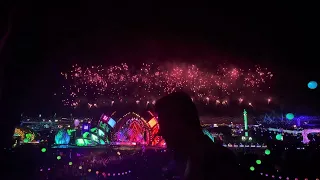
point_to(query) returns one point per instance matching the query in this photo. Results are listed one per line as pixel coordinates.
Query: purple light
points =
(48, 169)
(305, 133)
(41, 169)
(85, 127)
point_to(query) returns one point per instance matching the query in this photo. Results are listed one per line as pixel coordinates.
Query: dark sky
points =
(47, 40)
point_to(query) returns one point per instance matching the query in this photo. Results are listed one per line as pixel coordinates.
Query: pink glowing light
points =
(98, 85)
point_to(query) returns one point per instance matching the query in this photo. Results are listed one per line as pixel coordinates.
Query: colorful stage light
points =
(104, 117)
(112, 122)
(152, 122)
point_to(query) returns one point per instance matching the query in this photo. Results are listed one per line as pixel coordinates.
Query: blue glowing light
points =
(112, 122)
(312, 85)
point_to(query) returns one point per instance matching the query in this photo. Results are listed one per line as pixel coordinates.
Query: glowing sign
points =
(152, 122)
(112, 122)
(85, 127)
(105, 118)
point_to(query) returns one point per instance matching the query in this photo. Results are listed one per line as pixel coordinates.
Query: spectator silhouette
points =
(180, 127)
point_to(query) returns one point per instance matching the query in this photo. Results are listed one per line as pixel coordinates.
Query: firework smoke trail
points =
(98, 85)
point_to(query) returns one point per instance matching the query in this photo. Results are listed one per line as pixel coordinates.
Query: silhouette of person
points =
(180, 127)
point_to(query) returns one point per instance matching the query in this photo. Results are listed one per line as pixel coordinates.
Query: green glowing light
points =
(58, 157)
(245, 119)
(289, 116)
(267, 151)
(43, 150)
(251, 168)
(258, 161)
(279, 137)
(70, 163)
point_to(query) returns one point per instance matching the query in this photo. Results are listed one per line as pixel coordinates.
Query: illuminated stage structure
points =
(23, 135)
(132, 129)
(83, 135)
(97, 136)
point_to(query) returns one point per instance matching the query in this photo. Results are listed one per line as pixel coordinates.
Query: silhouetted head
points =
(178, 119)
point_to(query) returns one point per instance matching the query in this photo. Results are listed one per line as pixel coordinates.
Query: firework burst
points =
(97, 85)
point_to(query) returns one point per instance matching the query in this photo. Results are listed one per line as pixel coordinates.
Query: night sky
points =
(45, 41)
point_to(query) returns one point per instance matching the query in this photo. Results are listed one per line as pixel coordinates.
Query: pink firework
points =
(98, 85)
